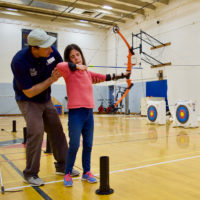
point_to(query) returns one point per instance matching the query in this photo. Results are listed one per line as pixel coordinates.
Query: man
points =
(33, 70)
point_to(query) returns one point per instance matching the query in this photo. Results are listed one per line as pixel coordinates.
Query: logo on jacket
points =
(33, 72)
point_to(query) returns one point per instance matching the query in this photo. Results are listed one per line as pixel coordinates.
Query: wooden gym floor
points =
(147, 162)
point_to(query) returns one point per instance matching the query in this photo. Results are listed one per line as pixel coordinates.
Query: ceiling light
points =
(104, 11)
(107, 7)
(11, 9)
(11, 13)
(77, 11)
(83, 20)
(82, 24)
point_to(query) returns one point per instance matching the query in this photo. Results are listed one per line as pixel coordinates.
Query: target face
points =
(152, 113)
(182, 114)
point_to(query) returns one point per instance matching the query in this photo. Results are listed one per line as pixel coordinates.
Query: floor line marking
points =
(155, 164)
(46, 183)
(37, 189)
(116, 171)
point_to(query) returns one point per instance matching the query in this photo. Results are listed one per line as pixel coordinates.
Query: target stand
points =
(185, 114)
(156, 112)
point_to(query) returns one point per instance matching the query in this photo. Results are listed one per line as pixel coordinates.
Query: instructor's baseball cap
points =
(40, 38)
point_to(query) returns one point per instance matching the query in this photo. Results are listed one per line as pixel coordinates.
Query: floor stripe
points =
(155, 164)
(45, 155)
(12, 165)
(46, 183)
(116, 171)
(6, 143)
(37, 189)
(42, 193)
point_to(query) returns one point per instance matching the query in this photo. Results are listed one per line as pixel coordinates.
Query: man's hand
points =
(55, 75)
(40, 87)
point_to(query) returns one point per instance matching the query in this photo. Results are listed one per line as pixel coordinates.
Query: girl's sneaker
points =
(89, 177)
(68, 180)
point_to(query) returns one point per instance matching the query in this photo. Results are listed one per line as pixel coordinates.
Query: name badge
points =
(50, 60)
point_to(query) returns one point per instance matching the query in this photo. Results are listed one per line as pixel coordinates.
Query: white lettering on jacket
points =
(33, 72)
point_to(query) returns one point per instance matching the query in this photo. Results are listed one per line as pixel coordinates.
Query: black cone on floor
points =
(104, 188)
(25, 135)
(14, 126)
(48, 146)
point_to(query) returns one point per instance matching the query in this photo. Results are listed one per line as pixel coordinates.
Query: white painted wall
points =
(88, 38)
(180, 25)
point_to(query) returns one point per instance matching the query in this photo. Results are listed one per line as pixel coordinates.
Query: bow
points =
(129, 65)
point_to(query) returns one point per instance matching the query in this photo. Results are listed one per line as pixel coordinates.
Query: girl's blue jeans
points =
(80, 121)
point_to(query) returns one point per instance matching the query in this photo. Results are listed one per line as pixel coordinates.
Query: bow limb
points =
(129, 64)
(125, 93)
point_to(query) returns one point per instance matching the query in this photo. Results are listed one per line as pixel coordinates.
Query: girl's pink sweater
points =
(79, 86)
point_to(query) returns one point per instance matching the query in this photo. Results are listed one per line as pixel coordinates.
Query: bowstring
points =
(100, 47)
(94, 54)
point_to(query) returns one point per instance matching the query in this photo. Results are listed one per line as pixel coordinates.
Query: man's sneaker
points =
(68, 180)
(89, 177)
(62, 172)
(33, 180)
(75, 173)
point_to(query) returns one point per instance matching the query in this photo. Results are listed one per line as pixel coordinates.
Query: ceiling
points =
(83, 11)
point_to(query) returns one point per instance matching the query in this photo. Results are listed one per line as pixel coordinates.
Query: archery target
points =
(182, 114)
(152, 113)
(185, 114)
(156, 112)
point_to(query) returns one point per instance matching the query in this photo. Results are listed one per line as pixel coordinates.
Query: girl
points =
(80, 104)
